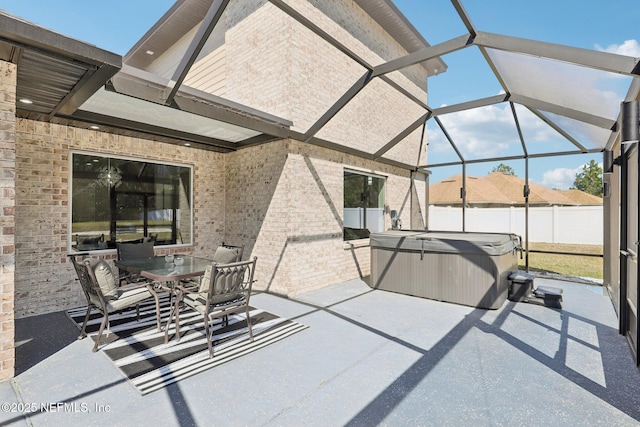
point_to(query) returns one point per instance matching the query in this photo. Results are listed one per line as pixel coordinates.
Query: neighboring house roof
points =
(513, 187)
(501, 189)
(581, 198)
(447, 192)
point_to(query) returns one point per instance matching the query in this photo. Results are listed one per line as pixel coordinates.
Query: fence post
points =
(554, 222)
(512, 215)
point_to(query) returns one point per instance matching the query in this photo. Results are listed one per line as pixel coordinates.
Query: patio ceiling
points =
(564, 88)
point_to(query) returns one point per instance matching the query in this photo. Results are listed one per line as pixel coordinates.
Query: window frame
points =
(363, 241)
(190, 167)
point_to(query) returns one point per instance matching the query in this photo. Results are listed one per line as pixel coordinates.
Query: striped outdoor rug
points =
(138, 349)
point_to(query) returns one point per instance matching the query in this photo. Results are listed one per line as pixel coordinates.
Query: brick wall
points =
(277, 65)
(7, 216)
(44, 279)
(285, 202)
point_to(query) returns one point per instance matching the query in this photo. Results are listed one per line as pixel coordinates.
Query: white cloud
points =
(488, 132)
(628, 48)
(480, 132)
(561, 178)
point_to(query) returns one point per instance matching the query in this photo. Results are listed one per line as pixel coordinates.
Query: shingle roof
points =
(501, 189)
(582, 198)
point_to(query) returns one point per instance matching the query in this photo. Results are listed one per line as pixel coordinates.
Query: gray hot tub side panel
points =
(471, 272)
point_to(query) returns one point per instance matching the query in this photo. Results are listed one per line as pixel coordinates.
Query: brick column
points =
(8, 74)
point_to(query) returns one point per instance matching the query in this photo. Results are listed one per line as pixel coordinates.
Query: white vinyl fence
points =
(553, 224)
(354, 218)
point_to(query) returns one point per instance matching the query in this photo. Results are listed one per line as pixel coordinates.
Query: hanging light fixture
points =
(109, 176)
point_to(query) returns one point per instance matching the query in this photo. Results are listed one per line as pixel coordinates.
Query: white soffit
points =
(128, 108)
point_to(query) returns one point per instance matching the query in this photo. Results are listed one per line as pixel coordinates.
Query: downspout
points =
(526, 212)
(624, 310)
(411, 204)
(463, 195)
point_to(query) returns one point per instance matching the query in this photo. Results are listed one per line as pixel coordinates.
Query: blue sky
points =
(592, 24)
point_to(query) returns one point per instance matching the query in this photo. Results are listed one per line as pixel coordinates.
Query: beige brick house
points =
(267, 106)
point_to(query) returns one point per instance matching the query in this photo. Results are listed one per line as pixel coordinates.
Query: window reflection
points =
(363, 205)
(127, 200)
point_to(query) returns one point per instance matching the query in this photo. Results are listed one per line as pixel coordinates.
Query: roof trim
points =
(27, 34)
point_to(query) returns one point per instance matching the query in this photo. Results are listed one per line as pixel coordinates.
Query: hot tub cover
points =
(492, 244)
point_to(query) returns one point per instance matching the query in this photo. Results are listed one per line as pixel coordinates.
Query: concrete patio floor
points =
(368, 358)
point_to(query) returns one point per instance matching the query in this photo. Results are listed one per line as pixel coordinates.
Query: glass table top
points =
(157, 268)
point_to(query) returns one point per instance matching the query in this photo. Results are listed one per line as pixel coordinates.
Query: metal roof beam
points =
(84, 89)
(147, 86)
(517, 122)
(557, 128)
(581, 116)
(402, 135)
(492, 100)
(404, 91)
(319, 32)
(446, 134)
(349, 150)
(605, 61)
(205, 109)
(422, 55)
(506, 158)
(494, 69)
(338, 105)
(464, 16)
(195, 47)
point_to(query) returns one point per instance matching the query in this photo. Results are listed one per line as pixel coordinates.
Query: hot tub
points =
(463, 268)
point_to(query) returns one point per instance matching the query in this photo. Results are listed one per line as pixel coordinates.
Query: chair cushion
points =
(224, 255)
(128, 297)
(105, 278)
(197, 301)
(204, 281)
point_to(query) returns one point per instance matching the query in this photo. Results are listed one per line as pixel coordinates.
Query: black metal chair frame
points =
(96, 299)
(229, 291)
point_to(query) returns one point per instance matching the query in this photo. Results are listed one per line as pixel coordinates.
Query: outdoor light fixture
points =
(94, 127)
(630, 122)
(26, 101)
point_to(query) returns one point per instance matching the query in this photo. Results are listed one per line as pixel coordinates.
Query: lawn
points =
(571, 265)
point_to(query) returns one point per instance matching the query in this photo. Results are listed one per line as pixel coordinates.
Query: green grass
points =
(570, 265)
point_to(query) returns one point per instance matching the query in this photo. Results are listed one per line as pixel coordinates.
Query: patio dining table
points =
(167, 277)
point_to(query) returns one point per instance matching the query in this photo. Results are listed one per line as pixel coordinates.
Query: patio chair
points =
(225, 289)
(224, 254)
(102, 293)
(133, 251)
